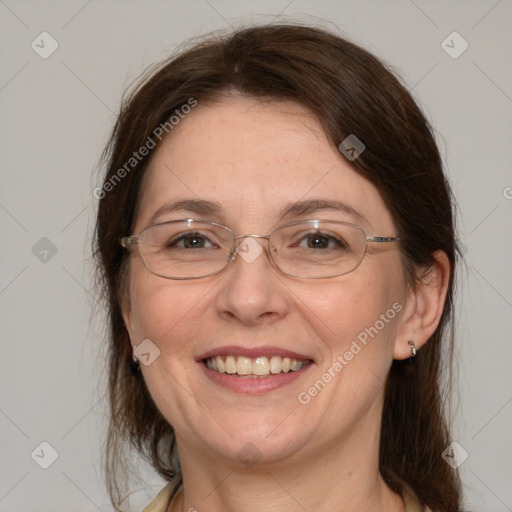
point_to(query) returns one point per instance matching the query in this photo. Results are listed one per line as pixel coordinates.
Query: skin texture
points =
(253, 158)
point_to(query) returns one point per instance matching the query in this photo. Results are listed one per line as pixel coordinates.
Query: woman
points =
(276, 242)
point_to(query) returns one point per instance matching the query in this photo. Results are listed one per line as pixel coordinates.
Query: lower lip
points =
(253, 385)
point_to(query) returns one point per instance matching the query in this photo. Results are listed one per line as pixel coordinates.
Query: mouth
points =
(258, 367)
(254, 370)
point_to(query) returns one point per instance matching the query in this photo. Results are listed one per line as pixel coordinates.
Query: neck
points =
(342, 477)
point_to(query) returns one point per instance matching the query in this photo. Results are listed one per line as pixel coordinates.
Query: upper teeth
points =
(257, 366)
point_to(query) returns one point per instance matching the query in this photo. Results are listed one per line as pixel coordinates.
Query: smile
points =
(253, 370)
(261, 366)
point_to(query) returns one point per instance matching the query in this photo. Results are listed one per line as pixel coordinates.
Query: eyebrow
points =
(309, 206)
(198, 206)
(206, 208)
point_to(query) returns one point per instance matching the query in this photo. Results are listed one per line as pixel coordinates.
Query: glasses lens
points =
(317, 249)
(185, 249)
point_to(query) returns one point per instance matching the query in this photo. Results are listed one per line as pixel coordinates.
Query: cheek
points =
(170, 315)
(359, 313)
(161, 309)
(357, 317)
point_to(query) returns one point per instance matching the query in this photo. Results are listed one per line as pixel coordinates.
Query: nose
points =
(252, 292)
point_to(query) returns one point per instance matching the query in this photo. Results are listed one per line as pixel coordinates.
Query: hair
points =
(349, 91)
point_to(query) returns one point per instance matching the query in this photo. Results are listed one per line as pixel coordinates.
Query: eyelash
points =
(184, 236)
(302, 238)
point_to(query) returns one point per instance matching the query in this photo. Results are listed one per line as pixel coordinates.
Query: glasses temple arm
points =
(384, 239)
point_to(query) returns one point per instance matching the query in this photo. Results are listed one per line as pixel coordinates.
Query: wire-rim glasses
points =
(194, 249)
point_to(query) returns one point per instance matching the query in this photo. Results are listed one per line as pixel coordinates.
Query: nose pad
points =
(235, 249)
(272, 249)
(232, 253)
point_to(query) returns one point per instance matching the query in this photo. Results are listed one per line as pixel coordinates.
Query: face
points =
(253, 160)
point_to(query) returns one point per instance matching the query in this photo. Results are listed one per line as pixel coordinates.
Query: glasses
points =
(311, 249)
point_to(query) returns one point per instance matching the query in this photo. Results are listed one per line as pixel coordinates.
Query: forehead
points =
(253, 159)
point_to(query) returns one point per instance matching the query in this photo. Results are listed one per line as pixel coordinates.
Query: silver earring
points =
(413, 349)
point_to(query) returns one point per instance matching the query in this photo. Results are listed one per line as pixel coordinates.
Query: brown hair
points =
(350, 92)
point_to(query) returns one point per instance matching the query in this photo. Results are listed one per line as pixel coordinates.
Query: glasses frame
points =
(135, 240)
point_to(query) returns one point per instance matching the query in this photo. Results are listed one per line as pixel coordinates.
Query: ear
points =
(125, 303)
(127, 316)
(424, 307)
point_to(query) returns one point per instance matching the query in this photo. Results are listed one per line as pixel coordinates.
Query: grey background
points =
(56, 115)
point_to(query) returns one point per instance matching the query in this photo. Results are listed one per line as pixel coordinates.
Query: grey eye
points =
(321, 241)
(191, 241)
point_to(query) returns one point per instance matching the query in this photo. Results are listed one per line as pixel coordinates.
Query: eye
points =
(191, 241)
(319, 240)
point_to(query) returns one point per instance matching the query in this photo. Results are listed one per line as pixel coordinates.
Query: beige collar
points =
(162, 500)
(412, 503)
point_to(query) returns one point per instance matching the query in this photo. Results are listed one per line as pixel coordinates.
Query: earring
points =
(134, 365)
(413, 349)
